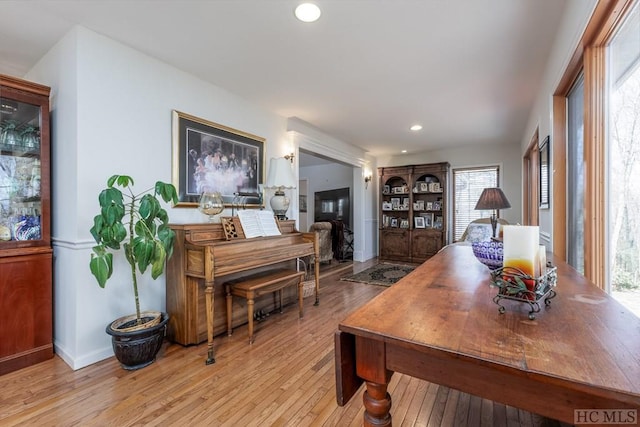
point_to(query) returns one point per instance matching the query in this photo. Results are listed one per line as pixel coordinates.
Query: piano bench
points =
(255, 285)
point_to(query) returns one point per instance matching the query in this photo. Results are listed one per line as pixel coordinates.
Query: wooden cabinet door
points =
(393, 244)
(26, 318)
(425, 244)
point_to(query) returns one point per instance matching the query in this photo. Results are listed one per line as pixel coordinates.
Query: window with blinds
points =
(468, 184)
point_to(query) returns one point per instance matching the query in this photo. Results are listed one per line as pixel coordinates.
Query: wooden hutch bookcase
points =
(26, 305)
(413, 211)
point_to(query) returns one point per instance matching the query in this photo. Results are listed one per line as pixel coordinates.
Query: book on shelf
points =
(256, 223)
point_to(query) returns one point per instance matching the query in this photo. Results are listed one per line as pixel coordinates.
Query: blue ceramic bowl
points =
(488, 253)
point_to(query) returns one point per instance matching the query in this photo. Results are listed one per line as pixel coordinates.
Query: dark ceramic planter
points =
(137, 349)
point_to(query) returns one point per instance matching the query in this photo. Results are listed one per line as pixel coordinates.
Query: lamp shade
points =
(280, 174)
(492, 199)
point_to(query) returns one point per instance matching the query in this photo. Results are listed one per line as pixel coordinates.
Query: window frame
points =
(589, 57)
(453, 192)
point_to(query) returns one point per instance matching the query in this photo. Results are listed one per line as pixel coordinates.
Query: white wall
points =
(111, 113)
(574, 21)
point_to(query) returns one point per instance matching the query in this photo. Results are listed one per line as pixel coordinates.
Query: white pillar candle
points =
(521, 247)
(542, 260)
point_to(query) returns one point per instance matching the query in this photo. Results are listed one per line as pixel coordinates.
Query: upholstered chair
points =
(324, 236)
(480, 229)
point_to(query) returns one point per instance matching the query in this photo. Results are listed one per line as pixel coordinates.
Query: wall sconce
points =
(367, 179)
(290, 157)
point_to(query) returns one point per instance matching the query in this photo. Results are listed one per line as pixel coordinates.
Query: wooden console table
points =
(440, 324)
(202, 255)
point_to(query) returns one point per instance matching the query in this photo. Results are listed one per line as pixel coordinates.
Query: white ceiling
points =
(466, 70)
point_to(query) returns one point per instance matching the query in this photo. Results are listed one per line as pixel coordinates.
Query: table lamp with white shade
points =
(280, 177)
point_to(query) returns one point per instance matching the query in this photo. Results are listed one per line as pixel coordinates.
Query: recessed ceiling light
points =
(307, 12)
(416, 128)
(403, 151)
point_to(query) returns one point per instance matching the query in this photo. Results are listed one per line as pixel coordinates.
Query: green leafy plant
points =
(138, 223)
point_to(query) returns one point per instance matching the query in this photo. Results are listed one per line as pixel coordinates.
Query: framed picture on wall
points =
(303, 202)
(207, 156)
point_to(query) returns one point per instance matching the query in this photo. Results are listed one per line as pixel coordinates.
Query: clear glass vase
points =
(211, 204)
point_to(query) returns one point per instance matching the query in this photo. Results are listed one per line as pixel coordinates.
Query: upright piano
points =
(203, 257)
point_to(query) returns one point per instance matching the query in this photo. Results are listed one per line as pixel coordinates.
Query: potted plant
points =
(138, 223)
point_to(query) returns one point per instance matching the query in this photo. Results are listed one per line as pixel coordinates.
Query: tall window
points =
(468, 185)
(575, 175)
(589, 194)
(623, 148)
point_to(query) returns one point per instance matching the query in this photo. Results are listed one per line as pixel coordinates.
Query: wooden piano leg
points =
(208, 293)
(229, 309)
(316, 272)
(300, 300)
(250, 305)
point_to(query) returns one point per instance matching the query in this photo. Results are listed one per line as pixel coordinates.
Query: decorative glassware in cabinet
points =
(30, 139)
(20, 172)
(10, 136)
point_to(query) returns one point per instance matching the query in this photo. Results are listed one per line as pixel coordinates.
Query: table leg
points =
(377, 403)
(371, 367)
(208, 293)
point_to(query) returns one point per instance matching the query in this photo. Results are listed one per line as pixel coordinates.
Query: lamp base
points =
(494, 224)
(280, 204)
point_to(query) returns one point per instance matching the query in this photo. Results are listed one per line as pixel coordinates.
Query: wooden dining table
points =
(579, 359)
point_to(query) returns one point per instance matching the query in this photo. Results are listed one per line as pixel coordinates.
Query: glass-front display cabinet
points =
(25, 243)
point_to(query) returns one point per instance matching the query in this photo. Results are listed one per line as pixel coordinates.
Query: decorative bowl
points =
(489, 253)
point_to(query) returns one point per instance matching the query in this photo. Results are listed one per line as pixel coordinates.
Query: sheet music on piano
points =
(256, 223)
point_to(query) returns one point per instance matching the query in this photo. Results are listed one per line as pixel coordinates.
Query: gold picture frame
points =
(207, 156)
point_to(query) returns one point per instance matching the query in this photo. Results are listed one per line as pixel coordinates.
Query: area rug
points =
(380, 274)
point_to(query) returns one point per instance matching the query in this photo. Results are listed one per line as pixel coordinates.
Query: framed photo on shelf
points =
(387, 206)
(207, 156)
(437, 223)
(404, 223)
(424, 186)
(394, 222)
(428, 220)
(405, 203)
(429, 206)
(418, 206)
(419, 222)
(386, 189)
(395, 203)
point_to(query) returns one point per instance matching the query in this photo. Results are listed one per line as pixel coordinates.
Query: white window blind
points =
(468, 185)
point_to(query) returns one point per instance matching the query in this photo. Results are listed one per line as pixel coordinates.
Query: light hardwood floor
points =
(286, 378)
